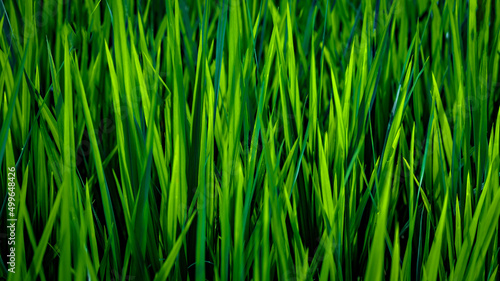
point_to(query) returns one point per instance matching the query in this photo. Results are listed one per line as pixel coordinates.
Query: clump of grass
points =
(252, 140)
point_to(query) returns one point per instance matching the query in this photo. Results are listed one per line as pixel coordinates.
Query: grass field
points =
(250, 140)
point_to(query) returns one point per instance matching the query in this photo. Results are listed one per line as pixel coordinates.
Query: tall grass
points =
(251, 140)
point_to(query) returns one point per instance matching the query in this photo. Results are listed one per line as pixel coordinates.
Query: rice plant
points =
(249, 140)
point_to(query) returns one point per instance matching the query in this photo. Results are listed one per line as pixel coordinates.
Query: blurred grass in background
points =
(264, 140)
